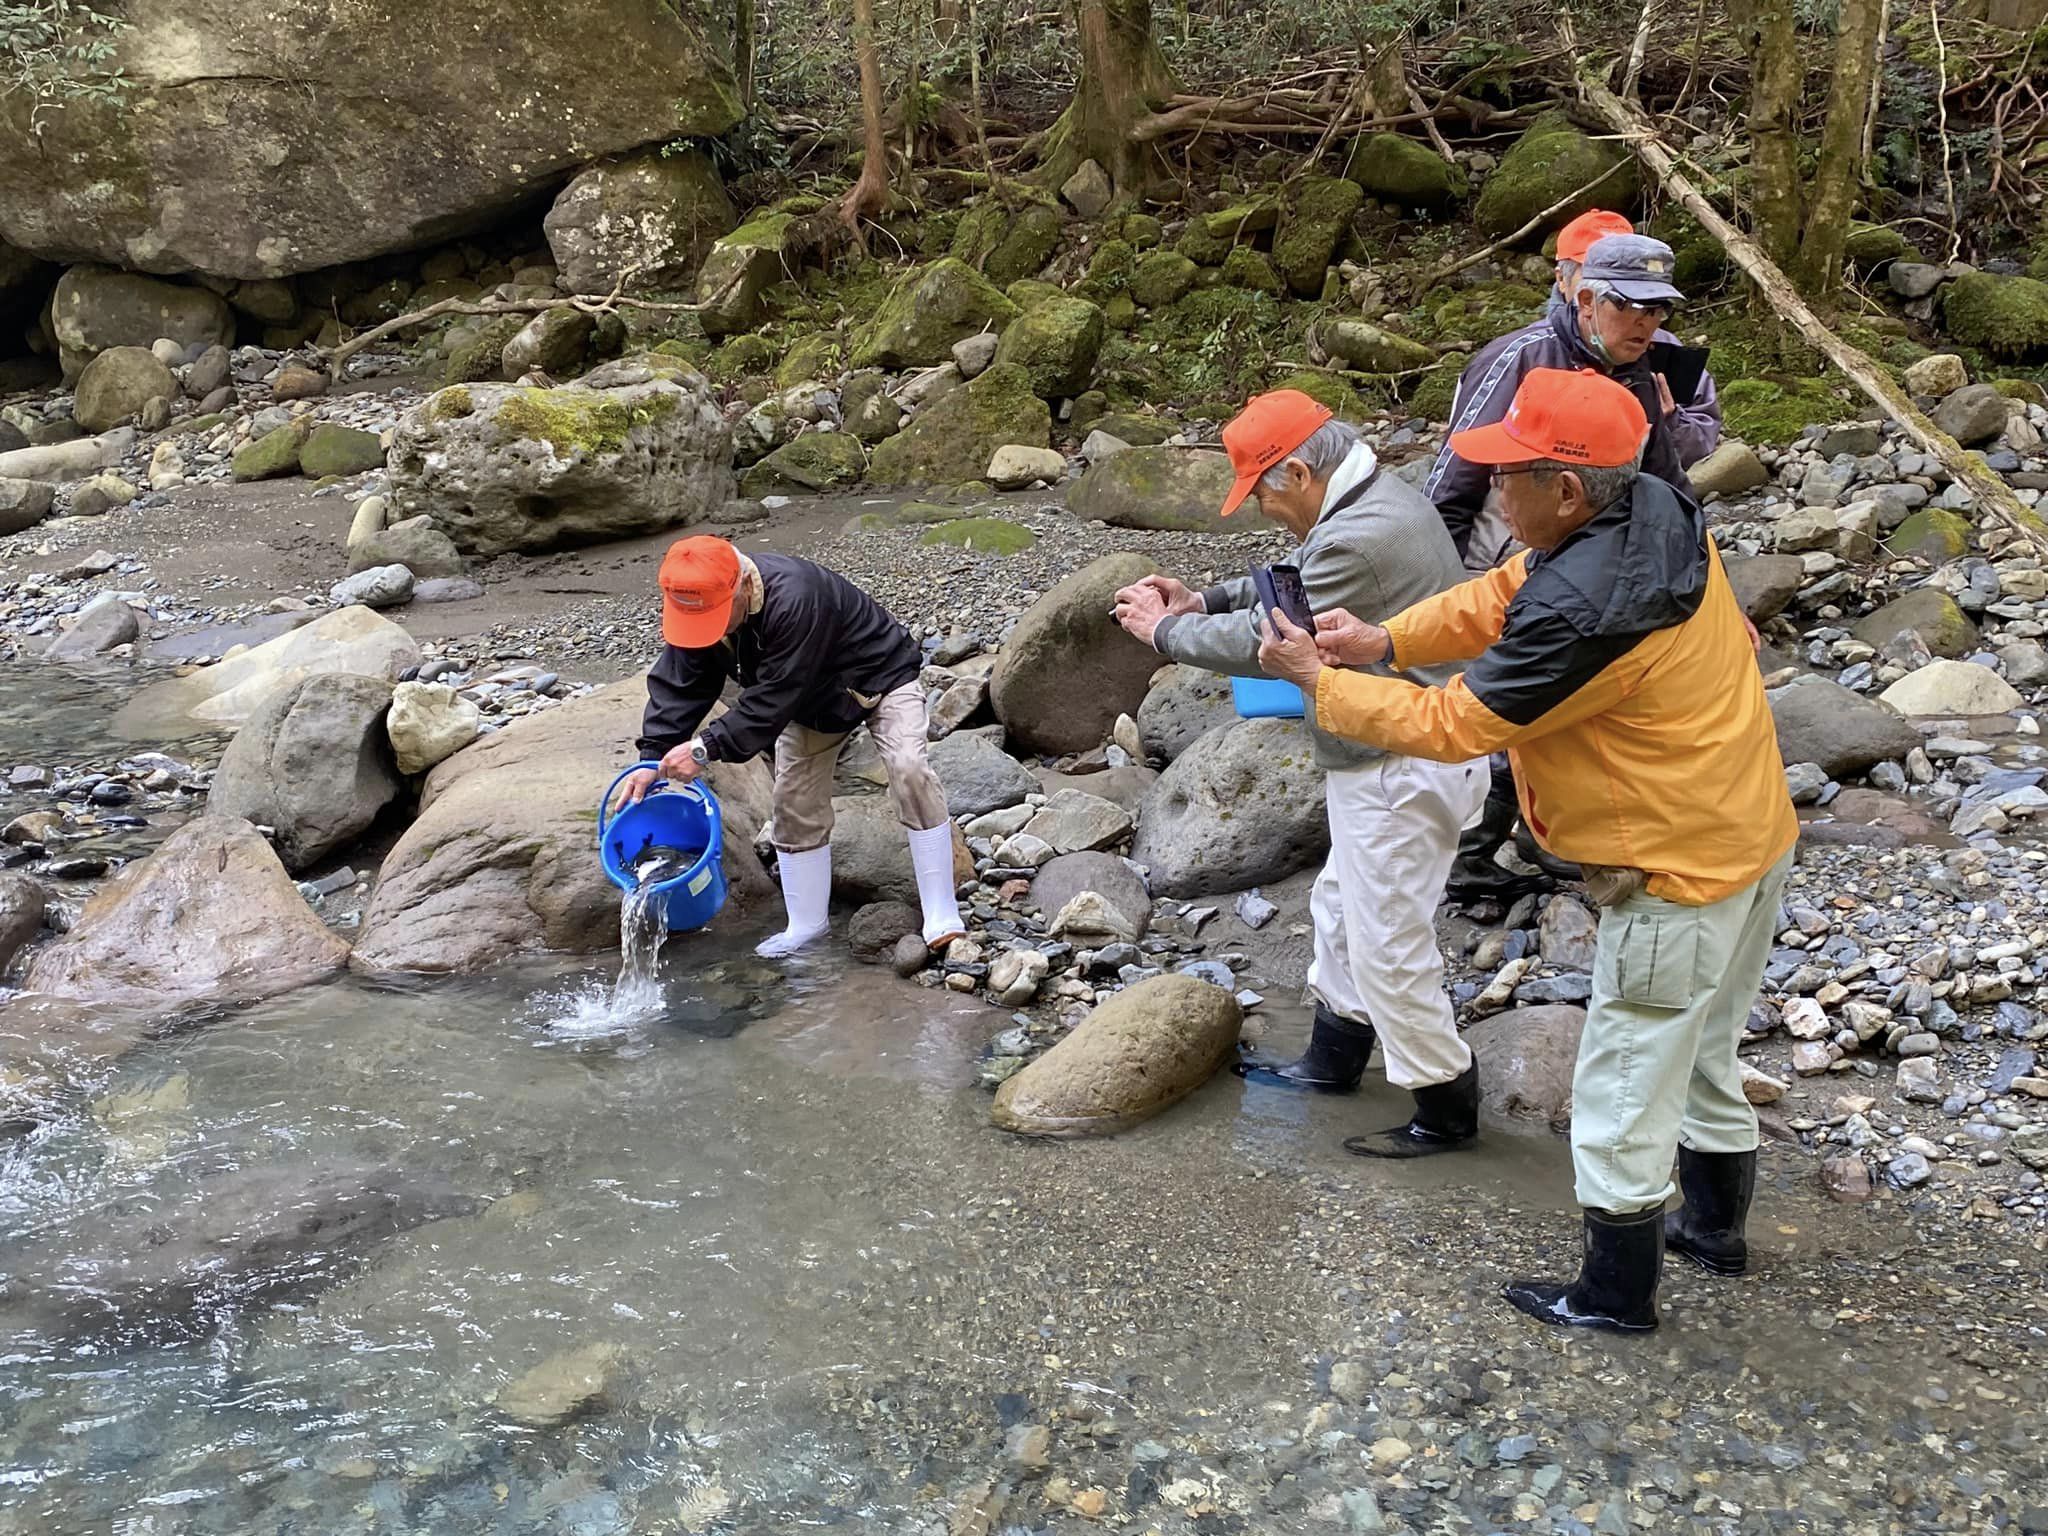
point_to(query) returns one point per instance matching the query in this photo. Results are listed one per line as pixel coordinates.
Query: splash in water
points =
(594, 1010)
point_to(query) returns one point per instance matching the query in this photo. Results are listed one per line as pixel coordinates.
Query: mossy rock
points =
(741, 356)
(1090, 406)
(1027, 291)
(1027, 245)
(1928, 612)
(1936, 534)
(982, 535)
(1140, 231)
(1121, 311)
(1872, 245)
(571, 421)
(1700, 263)
(1404, 171)
(739, 270)
(1327, 389)
(334, 450)
(1431, 394)
(1759, 411)
(1056, 343)
(1210, 237)
(1109, 271)
(1548, 163)
(1373, 349)
(815, 463)
(1249, 269)
(2025, 390)
(812, 359)
(1139, 431)
(952, 439)
(1161, 278)
(273, 454)
(481, 355)
(1477, 314)
(2004, 316)
(1215, 342)
(1318, 211)
(926, 312)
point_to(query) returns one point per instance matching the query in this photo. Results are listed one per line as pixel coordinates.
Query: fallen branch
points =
(1993, 495)
(1452, 269)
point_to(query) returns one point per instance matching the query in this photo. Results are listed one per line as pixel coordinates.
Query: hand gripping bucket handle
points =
(684, 816)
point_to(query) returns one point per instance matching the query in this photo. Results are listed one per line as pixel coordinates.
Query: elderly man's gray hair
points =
(1603, 486)
(1568, 275)
(1328, 446)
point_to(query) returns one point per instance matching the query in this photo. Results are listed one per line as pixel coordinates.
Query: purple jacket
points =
(1487, 388)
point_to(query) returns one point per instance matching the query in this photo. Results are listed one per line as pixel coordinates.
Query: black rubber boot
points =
(1616, 1291)
(1338, 1050)
(1535, 853)
(1446, 1118)
(1474, 874)
(1709, 1230)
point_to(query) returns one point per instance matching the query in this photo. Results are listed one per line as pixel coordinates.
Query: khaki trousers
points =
(805, 759)
(1394, 828)
(1672, 989)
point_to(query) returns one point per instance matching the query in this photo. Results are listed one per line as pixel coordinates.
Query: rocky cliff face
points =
(259, 141)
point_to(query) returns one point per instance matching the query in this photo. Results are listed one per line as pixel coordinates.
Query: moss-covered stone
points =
(1215, 342)
(1027, 245)
(739, 269)
(1326, 389)
(1137, 430)
(1319, 209)
(332, 449)
(273, 454)
(1121, 311)
(1372, 348)
(1871, 245)
(1404, 171)
(1056, 343)
(1928, 612)
(982, 535)
(1430, 394)
(1476, 314)
(811, 359)
(590, 422)
(1759, 411)
(1027, 291)
(743, 355)
(1549, 163)
(815, 463)
(481, 354)
(2021, 389)
(1161, 278)
(1140, 231)
(2005, 316)
(1090, 406)
(953, 437)
(1109, 271)
(926, 312)
(1249, 269)
(1936, 534)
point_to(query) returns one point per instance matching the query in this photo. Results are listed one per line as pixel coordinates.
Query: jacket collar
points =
(1359, 466)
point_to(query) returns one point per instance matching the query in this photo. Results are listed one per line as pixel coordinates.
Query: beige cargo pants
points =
(1672, 989)
(805, 760)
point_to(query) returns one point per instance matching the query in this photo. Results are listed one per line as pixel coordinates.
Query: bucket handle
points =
(710, 800)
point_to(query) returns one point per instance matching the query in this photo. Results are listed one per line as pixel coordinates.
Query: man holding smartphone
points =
(1370, 544)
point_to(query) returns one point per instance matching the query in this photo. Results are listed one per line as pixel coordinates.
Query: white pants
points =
(1393, 832)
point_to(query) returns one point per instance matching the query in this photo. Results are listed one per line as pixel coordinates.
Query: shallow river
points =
(776, 1273)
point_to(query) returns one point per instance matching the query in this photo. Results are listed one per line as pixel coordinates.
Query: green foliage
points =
(58, 51)
(1215, 343)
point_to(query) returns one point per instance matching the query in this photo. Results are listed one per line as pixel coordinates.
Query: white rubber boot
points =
(806, 897)
(931, 855)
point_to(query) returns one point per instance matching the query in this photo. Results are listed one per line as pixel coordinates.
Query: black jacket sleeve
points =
(793, 653)
(682, 686)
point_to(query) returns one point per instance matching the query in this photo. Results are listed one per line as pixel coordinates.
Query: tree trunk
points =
(1123, 78)
(744, 43)
(1764, 28)
(870, 194)
(1840, 175)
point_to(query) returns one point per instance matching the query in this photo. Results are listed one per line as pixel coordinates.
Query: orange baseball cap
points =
(1579, 236)
(1580, 417)
(698, 580)
(1269, 428)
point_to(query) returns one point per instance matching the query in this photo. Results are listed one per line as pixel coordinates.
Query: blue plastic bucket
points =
(684, 817)
(1266, 698)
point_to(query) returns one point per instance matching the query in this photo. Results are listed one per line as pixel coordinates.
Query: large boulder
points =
(501, 859)
(739, 268)
(1312, 224)
(387, 116)
(97, 308)
(1143, 1050)
(503, 467)
(1242, 807)
(977, 775)
(117, 384)
(211, 915)
(1372, 348)
(814, 464)
(1056, 341)
(1823, 722)
(1973, 415)
(313, 763)
(1526, 1060)
(653, 214)
(229, 692)
(1926, 612)
(102, 624)
(1184, 705)
(1003, 246)
(1952, 688)
(1404, 171)
(951, 440)
(1764, 584)
(1061, 879)
(871, 852)
(926, 312)
(555, 341)
(1547, 165)
(1067, 670)
(24, 503)
(415, 544)
(1158, 488)
(1729, 470)
(2005, 315)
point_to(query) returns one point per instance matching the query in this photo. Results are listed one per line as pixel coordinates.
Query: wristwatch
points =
(698, 754)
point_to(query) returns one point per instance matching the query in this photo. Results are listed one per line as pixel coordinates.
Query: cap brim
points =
(694, 629)
(1492, 445)
(1646, 292)
(1239, 489)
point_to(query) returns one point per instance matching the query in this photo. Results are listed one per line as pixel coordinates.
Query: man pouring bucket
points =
(814, 657)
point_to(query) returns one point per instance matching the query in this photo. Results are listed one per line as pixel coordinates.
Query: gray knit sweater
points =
(1384, 552)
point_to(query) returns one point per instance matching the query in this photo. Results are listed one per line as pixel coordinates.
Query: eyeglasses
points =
(1498, 478)
(1657, 308)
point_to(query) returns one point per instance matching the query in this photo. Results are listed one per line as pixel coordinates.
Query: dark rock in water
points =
(877, 928)
(164, 1265)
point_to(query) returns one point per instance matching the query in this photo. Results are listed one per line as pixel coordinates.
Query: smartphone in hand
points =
(1280, 590)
